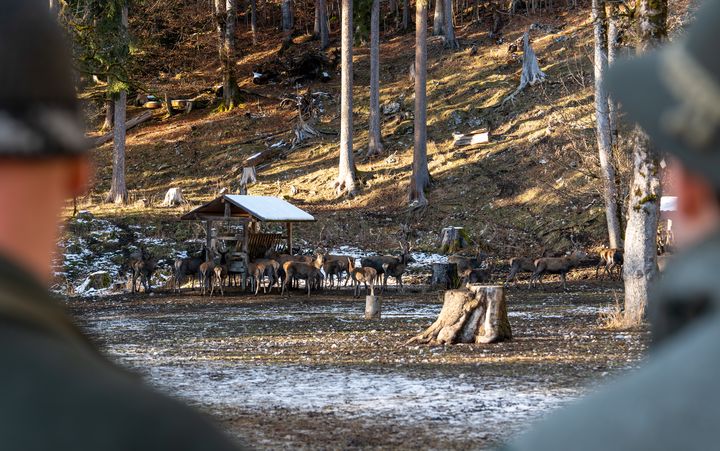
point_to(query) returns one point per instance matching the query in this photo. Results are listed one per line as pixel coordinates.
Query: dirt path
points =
(298, 373)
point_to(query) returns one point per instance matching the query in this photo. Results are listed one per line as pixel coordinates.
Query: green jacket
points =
(58, 393)
(673, 402)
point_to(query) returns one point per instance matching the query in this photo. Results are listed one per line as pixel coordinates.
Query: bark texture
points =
(640, 265)
(406, 15)
(420, 179)
(288, 20)
(345, 182)
(118, 190)
(439, 18)
(444, 275)
(613, 38)
(375, 146)
(602, 125)
(477, 314)
(226, 21)
(450, 41)
(253, 20)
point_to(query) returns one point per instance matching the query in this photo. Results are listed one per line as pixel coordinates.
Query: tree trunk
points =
(118, 190)
(316, 25)
(324, 26)
(253, 20)
(444, 275)
(406, 15)
(531, 73)
(451, 41)
(613, 36)
(219, 13)
(602, 122)
(109, 114)
(373, 306)
(345, 182)
(474, 315)
(640, 266)
(288, 21)
(230, 87)
(439, 18)
(420, 179)
(375, 146)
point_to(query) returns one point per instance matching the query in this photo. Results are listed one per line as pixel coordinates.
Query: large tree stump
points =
(452, 239)
(173, 197)
(372, 307)
(444, 275)
(477, 314)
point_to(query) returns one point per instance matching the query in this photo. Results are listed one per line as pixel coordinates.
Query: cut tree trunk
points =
(477, 314)
(531, 73)
(471, 139)
(452, 239)
(373, 307)
(602, 123)
(345, 182)
(420, 179)
(173, 198)
(375, 146)
(444, 275)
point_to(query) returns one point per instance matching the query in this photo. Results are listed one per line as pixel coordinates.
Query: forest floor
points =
(299, 373)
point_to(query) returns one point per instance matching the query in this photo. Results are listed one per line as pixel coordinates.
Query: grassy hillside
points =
(532, 187)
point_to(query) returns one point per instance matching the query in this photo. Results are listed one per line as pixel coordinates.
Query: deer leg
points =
(399, 280)
(562, 276)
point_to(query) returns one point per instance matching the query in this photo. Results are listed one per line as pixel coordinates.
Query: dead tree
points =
(531, 73)
(476, 314)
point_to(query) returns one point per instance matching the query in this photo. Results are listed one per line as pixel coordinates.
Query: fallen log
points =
(476, 314)
(128, 125)
(470, 139)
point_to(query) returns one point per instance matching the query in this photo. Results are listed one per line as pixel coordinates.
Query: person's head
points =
(674, 94)
(42, 147)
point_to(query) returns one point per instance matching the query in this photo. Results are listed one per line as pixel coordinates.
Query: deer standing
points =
(556, 265)
(300, 270)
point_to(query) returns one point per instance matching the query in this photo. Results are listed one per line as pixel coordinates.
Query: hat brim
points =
(638, 86)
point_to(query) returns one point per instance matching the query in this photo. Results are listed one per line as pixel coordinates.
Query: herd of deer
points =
(326, 270)
(284, 270)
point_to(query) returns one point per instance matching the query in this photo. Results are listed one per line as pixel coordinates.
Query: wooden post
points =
(372, 307)
(246, 237)
(228, 210)
(289, 228)
(208, 240)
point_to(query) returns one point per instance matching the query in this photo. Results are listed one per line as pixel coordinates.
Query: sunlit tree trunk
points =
(375, 145)
(451, 41)
(253, 20)
(602, 124)
(640, 259)
(109, 110)
(230, 87)
(613, 36)
(118, 189)
(420, 178)
(345, 182)
(439, 18)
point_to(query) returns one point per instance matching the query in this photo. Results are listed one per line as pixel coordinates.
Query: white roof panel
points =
(269, 208)
(668, 203)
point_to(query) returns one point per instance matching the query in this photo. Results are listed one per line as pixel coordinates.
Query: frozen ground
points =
(294, 373)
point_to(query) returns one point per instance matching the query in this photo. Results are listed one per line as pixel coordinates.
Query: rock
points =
(391, 108)
(96, 281)
(84, 216)
(456, 118)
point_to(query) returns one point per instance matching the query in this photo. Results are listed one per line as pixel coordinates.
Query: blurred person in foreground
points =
(56, 391)
(673, 402)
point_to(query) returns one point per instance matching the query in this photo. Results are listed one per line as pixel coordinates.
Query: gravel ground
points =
(298, 373)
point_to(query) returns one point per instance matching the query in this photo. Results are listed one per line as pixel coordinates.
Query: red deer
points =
(610, 259)
(519, 265)
(189, 266)
(475, 276)
(556, 265)
(395, 265)
(465, 263)
(143, 269)
(336, 265)
(366, 276)
(305, 271)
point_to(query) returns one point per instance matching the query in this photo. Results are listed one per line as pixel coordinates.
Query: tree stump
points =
(452, 239)
(173, 198)
(372, 307)
(444, 275)
(477, 314)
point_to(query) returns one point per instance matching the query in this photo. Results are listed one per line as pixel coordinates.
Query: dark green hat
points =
(39, 114)
(674, 94)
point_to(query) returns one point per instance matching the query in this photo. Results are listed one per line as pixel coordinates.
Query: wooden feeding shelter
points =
(242, 217)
